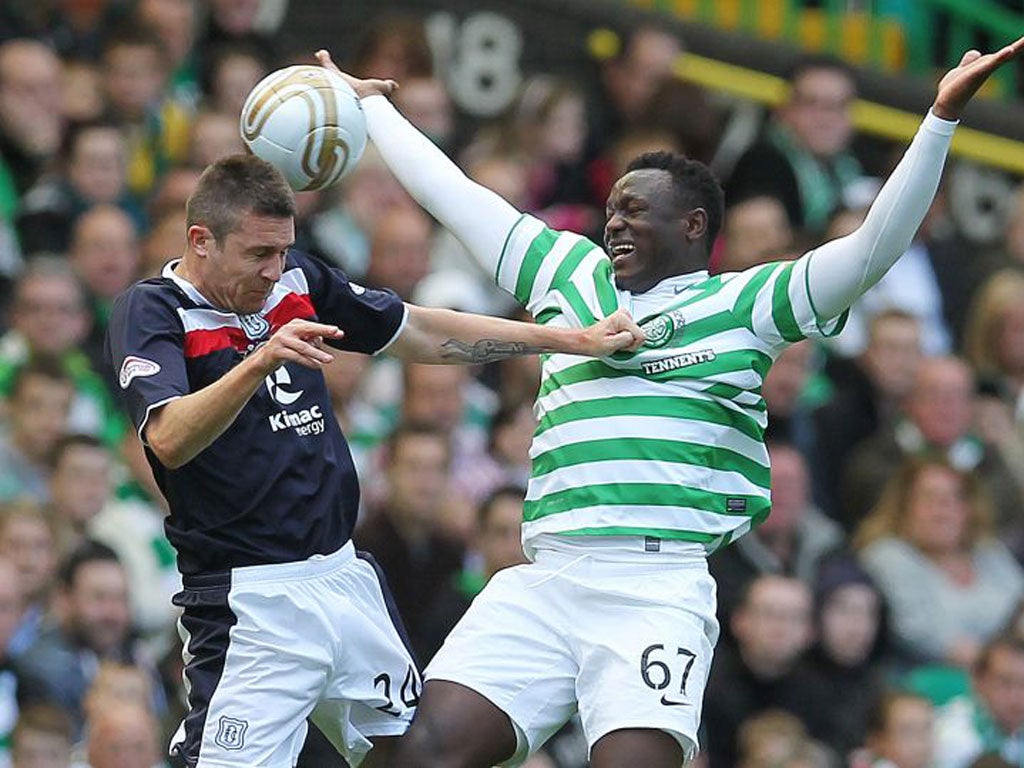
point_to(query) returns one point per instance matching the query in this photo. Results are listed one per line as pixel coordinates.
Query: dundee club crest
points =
(231, 733)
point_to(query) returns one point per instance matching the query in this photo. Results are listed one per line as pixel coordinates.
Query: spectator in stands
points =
(803, 159)
(86, 508)
(868, 399)
(938, 421)
(165, 240)
(994, 339)
(777, 739)
(629, 80)
(214, 135)
(232, 24)
(400, 251)
(772, 627)
(788, 393)
(426, 104)
(135, 72)
(549, 123)
(402, 534)
(27, 539)
(95, 166)
(81, 91)
(38, 406)
(175, 22)
(497, 545)
(105, 257)
(990, 719)
(234, 71)
(393, 45)
(342, 232)
(844, 665)
(899, 733)
(172, 192)
(929, 546)
(755, 230)
(789, 543)
(42, 738)
(123, 736)
(31, 123)
(92, 623)
(49, 318)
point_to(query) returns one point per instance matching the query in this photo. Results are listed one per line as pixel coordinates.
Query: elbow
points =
(168, 454)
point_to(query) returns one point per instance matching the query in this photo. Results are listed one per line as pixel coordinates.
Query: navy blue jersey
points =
(279, 484)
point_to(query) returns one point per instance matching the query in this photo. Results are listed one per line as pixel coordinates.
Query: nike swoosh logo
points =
(669, 703)
(679, 289)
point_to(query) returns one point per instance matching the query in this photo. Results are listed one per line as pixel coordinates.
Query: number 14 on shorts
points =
(661, 670)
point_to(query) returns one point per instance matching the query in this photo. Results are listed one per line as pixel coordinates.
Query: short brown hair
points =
(234, 186)
(44, 718)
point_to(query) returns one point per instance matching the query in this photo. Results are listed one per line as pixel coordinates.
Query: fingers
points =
(324, 58)
(304, 352)
(969, 57)
(306, 329)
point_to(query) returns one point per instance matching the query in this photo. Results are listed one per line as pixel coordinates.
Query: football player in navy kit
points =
(219, 362)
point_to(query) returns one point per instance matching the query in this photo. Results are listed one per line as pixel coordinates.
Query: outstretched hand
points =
(960, 84)
(363, 88)
(614, 333)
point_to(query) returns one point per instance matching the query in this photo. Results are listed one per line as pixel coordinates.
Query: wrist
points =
(945, 112)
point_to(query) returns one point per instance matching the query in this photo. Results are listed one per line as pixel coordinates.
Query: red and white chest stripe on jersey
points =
(209, 330)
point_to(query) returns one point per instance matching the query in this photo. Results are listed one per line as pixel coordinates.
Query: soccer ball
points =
(308, 123)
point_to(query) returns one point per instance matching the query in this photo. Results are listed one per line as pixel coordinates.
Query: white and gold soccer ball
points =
(308, 123)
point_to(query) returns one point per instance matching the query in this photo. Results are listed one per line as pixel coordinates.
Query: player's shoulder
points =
(153, 296)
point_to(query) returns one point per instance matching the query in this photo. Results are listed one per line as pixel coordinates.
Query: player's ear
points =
(695, 223)
(200, 239)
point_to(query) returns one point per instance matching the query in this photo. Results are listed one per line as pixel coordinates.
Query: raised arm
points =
(444, 336)
(478, 217)
(842, 270)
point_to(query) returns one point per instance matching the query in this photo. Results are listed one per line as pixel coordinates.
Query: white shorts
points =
(624, 637)
(268, 646)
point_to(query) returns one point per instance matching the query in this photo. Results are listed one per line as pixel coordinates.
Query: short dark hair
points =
(234, 186)
(75, 440)
(694, 184)
(879, 714)
(133, 33)
(407, 429)
(87, 552)
(45, 718)
(510, 491)
(814, 62)
(44, 366)
(1007, 640)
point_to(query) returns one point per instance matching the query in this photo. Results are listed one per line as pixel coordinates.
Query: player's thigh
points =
(254, 669)
(512, 650)
(374, 685)
(637, 746)
(647, 666)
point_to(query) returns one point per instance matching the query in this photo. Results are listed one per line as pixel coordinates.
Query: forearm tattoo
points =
(486, 350)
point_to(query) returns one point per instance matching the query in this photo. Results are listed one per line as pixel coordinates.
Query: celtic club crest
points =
(660, 329)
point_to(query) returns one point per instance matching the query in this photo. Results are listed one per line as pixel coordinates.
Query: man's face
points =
(400, 252)
(239, 273)
(39, 414)
(644, 229)
(28, 543)
(774, 626)
(98, 610)
(907, 741)
(500, 539)
(98, 165)
(10, 602)
(789, 490)
(30, 97)
(818, 111)
(105, 251)
(893, 355)
(418, 479)
(755, 230)
(849, 623)
(81, 484)
(434, 395)
(134, 76)
(941, 404)
(1001, 687)
(48, 312)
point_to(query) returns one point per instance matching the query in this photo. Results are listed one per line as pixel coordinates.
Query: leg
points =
(383, 753)
(636, 746)
(455, 727)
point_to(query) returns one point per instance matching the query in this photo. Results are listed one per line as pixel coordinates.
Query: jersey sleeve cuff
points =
(397, 333)
(939, 125)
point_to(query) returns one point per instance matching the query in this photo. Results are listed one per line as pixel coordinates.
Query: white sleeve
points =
(840, 271)
(478, 217)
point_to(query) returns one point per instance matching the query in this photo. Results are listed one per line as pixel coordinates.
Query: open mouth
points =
(620, 251)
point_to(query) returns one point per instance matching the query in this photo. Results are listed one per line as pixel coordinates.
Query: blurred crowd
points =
(875, 619)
